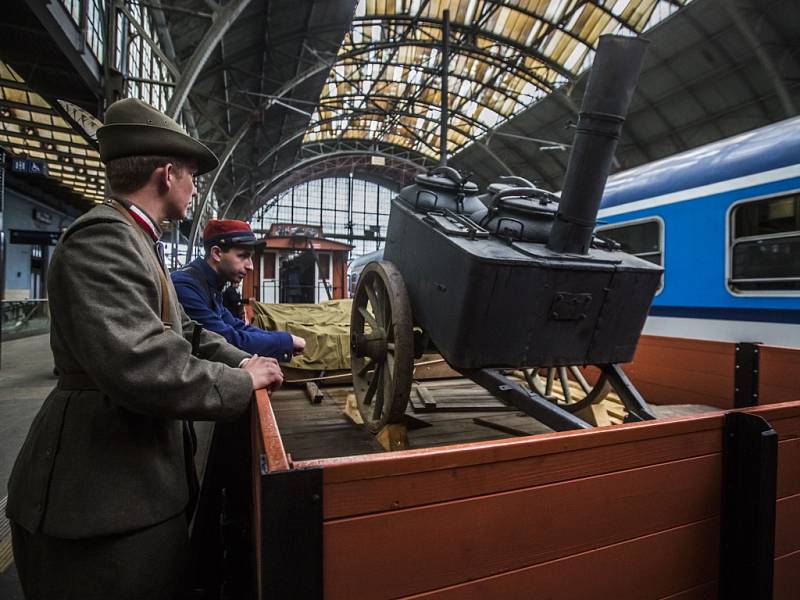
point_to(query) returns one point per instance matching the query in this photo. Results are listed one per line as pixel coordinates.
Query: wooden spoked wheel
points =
(381, 345)
(574, 393)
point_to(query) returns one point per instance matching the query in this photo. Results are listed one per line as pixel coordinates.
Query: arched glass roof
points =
(504, 56)
(31, 128)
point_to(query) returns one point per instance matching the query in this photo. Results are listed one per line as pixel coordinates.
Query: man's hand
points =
(265, 372)
(299, 345)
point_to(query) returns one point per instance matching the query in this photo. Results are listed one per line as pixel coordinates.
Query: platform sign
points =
(34, 236)
(26, 165)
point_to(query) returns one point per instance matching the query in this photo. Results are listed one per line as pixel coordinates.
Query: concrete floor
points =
(26, 377)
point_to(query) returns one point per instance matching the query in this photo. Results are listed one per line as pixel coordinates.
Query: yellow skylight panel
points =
(499, 21)
(387, 81)
(15, 95)
(12, 127)
(37, 117)
(7, 72)
(521, 27)
(638, 13)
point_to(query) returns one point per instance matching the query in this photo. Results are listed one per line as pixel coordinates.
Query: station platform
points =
(26, 377)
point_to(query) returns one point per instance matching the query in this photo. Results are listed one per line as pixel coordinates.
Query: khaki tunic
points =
(111, 459)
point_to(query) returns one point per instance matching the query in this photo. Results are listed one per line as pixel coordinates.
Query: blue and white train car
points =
(724, 221)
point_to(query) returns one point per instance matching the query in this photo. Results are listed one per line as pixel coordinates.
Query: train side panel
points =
(693, 195)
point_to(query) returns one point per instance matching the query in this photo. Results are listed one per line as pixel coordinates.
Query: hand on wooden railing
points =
(265, 372)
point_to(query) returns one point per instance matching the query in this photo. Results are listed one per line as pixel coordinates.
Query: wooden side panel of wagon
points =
(630, 511)
(571, 515)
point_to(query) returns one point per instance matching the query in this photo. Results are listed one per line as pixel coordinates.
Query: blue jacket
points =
(199, 290)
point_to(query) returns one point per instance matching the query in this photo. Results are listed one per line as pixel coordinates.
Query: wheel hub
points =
(372, 345)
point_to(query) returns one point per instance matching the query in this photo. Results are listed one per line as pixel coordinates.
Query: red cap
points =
(229, 232)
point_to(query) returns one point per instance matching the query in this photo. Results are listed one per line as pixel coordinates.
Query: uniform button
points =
(48, 452)
(38, 507)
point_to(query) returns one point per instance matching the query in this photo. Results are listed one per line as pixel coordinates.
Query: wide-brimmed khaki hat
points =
(134, 128)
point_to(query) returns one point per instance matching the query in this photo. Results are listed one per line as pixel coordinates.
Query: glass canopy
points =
(31, 128)
(504, 55)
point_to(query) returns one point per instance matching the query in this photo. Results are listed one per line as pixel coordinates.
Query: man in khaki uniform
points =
(98, 494)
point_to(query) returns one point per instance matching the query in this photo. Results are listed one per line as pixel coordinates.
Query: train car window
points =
(765, 245)
(644, 239)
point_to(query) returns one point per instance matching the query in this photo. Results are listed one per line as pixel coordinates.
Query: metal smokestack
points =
(612, 80)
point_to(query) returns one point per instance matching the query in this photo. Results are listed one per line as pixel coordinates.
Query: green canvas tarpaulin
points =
(324, 326)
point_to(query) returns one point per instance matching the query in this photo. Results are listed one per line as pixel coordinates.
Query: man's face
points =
(234, 264)
(181, 191)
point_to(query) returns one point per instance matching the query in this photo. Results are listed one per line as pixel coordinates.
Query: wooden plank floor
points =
(322, 430)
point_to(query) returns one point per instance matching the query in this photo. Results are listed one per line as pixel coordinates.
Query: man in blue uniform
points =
(229, 246)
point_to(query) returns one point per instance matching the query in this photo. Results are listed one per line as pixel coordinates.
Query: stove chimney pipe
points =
(613, 78)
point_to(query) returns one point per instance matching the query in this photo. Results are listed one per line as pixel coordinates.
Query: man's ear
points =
(170, 172)
(215, 253)
(162, 177)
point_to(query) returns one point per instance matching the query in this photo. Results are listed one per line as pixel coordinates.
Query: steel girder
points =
(168, 62)
(197, 217)
(224, 17)
(364, 49)
(234, 141)
(324, 164)
(414, 134)
(764, 58)
(457, 27)
(349, 113)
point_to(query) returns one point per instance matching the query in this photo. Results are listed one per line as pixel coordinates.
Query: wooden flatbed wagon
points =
(675, 503)
(702, 506)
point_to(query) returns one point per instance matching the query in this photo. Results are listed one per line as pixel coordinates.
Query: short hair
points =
(131, 173)
(224, 247)
(209, 245)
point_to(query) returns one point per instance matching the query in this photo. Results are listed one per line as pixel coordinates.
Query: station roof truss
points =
(505, 55)
(284, 91)
(712, 70)
(32, 128)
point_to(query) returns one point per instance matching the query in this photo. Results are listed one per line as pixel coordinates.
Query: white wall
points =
(18, 214)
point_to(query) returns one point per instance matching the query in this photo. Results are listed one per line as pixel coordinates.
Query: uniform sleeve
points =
(106, 308)
(277, 344)
(212, 346)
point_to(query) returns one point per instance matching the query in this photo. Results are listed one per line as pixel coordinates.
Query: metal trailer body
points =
(488, 302)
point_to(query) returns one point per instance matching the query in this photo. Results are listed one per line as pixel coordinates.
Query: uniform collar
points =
(142, 218)
(212, 277)
(145, 222)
